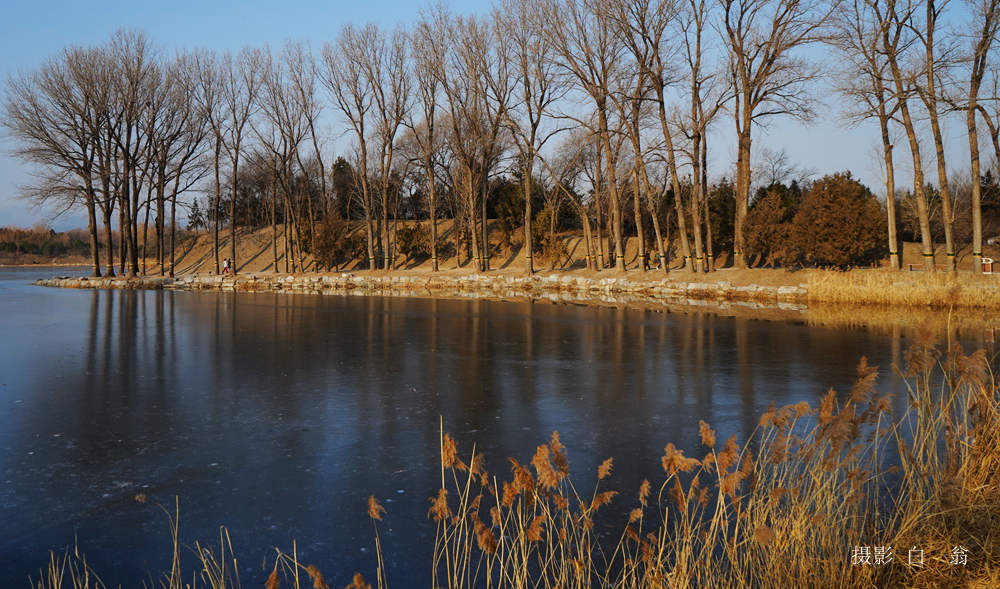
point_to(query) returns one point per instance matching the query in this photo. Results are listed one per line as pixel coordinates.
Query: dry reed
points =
(941, 290)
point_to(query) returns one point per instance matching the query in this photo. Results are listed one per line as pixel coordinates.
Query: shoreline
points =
(846, 306)
(563, 288)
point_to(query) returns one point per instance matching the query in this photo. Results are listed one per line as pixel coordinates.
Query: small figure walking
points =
(225, 265)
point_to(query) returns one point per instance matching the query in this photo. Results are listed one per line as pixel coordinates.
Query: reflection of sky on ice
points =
(278, 415)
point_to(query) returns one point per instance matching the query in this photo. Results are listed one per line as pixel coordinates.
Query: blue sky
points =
(33, 31)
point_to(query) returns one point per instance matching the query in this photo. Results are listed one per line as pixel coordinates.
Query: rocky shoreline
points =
(556, 288)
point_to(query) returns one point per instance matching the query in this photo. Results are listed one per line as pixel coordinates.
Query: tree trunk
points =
(274, 228)
(616, 208)
(123, 235)
(742, 193)
(930, 101)
(486, 235)
(918, 189)
(709, 257)
(918, 171)
(386, 245)
(529, 267)
(638, 215)
(598, 184)
(109, 236)
(977, 206)
(145, 234)
(217, 204)
(471, 209)
(587, 236)
(134, 233)
(173, 223)
(233, 265)
(95, 254)
(890, 188)
(675, 182)
(433, 214)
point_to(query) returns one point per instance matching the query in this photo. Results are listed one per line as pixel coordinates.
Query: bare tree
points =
(353, 97)
(584, 37)
(936, 61)
(644, 26)
(986, 23)
(477, 100)
(892, 19)
(427, 51)
(53, 117)
(707, 98)
(537, 86)
(769, 78)
(241, 79)
(858, 36)
(303, 77)
(384, 66)
(177, 141)
(136, 74)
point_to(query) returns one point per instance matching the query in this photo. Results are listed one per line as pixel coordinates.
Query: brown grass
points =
(783, 509)
(788, 507)
(942, 290)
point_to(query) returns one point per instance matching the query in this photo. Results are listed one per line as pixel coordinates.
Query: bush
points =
(839, 224)
(334, 243)
(414, 241)
(546, 242)
(768, 228)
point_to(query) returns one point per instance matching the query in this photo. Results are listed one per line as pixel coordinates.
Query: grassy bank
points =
(831, 494)
(942, 290)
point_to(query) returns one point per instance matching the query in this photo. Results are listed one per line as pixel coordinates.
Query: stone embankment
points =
(573, 289)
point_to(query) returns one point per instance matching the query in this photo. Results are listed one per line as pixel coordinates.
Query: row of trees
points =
(600, 106)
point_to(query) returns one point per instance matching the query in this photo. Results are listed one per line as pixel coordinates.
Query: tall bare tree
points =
(937, 60)
(241, 80)
(281, 131)
(858, 37)
(53, 117)
(986, 24)
(384, 66)
(352, 95)
(536, 87)
(304, 75)
(707, 98)
(427, 51)
(136, 66)
(477, 99)
(893, 19)
(645, 28)
(769, 76)
(588, 46)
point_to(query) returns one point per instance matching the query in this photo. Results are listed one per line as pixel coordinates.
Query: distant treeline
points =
(43, 241)
(19, 244)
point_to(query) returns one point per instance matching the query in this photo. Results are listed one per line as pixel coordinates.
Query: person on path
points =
(225, 265)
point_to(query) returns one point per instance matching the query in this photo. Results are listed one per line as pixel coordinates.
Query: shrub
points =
(839, 224)
(334, 243)
(413, 241)
(767, 232)
(547, 242)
